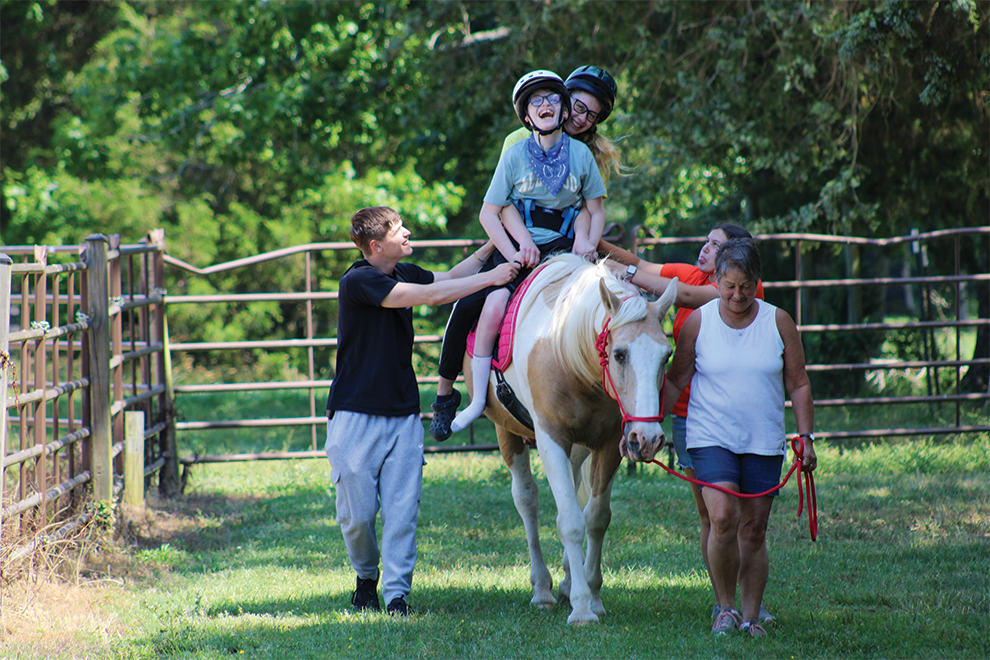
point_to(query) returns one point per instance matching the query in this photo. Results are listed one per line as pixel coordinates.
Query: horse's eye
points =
(620, 355)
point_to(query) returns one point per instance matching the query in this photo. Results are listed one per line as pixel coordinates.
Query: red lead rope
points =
(797, 445)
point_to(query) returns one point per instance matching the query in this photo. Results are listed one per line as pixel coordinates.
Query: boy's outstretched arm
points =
(450, 286)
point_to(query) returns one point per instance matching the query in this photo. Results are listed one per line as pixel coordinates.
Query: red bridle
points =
(602, 345)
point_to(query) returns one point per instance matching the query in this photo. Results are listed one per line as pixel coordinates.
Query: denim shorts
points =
(753, 473)
(679, 431)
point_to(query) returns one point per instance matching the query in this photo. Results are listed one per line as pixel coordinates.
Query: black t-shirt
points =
(374, 344)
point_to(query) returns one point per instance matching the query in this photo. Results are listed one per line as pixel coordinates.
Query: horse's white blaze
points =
(646, 356)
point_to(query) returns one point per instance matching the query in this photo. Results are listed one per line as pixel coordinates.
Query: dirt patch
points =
(53, 618)
(62, 599)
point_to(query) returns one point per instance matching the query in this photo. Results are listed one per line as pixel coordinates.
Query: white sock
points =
(481, 369)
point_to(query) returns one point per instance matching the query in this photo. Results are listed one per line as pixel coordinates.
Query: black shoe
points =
(443, 415)
(365, 597)
(399, 606)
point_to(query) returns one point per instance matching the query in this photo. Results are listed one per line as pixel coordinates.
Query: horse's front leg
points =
(581, 472)
(598, 516)
(570, 526)
(527, 501)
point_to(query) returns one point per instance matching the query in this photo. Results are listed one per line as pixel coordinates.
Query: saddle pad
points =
(503, 349)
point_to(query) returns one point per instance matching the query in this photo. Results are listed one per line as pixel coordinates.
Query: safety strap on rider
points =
(560, 221)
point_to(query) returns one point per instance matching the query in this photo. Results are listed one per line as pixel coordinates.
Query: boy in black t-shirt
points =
(374, 433)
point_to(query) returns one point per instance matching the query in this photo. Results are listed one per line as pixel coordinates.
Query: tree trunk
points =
(977, 376)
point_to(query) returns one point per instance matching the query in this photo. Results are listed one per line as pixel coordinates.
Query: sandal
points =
(443, 415)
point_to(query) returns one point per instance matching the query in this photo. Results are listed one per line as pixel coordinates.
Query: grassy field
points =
(251, 563)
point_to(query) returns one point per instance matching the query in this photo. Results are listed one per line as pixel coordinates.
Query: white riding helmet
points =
(540, 79)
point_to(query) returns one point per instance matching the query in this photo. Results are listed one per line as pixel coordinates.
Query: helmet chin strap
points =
(544, 132)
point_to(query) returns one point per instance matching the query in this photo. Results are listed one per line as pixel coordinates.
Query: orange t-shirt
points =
(689, 274)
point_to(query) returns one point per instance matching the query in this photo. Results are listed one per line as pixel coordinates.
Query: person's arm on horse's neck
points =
(649, 279)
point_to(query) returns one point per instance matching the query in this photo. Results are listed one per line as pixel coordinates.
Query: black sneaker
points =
(365, 597)
(443, 415)
(399, 606)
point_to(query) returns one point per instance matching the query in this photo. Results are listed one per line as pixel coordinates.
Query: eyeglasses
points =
(537, 101)
(582, 109)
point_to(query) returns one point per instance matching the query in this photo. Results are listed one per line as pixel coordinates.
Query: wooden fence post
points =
(6, 365)
(134, 458)
(168, 478)
(100, 428)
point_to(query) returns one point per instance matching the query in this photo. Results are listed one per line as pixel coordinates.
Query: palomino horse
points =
(557, 374)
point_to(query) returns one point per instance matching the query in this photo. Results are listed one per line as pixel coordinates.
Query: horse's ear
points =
(668, 297)
(609, 299)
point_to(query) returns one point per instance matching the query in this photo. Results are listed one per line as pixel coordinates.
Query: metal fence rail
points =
(798, 295)
(917, 246)
(89, 342)
(92, 342)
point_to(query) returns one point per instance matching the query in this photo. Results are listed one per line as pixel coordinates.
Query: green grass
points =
(262, 404)
(899, 569)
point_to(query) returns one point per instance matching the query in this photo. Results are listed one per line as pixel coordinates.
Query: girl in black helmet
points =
(593, 93)
(549, 178)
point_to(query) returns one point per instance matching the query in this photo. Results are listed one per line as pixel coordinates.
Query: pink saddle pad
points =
(508, 330)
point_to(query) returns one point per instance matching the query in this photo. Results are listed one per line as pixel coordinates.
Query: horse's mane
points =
(579, 314)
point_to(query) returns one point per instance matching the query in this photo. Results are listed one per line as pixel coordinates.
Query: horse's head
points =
(637, 354)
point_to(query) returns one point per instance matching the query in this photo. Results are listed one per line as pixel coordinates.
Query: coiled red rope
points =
(797, 446)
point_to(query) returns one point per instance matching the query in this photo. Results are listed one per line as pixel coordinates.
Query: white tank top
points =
(737, 391)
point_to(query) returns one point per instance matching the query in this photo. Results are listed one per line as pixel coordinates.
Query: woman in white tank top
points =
(740, 355)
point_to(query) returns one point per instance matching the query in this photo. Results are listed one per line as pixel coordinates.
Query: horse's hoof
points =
(576, 619)
(543, 602)
(543, 599)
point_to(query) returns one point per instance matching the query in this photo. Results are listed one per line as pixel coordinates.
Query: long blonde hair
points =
(607, 155)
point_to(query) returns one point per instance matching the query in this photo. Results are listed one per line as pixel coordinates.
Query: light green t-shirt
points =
(517, 135)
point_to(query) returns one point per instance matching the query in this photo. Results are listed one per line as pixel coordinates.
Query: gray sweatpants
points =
(377, 463)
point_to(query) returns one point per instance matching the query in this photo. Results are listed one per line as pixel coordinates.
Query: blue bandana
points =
(551, 167)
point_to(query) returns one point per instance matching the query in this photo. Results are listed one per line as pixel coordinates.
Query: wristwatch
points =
(629, 274)
(809, 436)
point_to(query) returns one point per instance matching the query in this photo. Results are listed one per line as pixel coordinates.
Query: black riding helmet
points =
(597, 82)
(540, 79)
